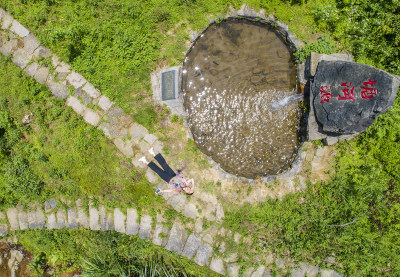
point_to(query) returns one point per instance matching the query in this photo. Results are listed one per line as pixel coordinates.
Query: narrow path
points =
(205, 246)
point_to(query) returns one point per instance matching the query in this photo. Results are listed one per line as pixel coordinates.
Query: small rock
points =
(248, 272)
(237, 237)
(31, 43)
(20, 30)
(59, 90)
(151, 177)
(132, 225)
(93, 218)
(41, 75)
(259, 272)
(72, 219)
(119, 221)
(21, 58)
(217, 265)
(233, 270)
(27, 119)
(145, 227)
(233, 257)
(327, 273)
(51, 221)
(62, 71)
(50, 204)
(91, 117)
(105, 103)
(203, 254)
(3, 230)
(280, 263)
(91, 90)
(61, 219)
(32, 69)
(175, 242)
(76, 79)
(76, 105)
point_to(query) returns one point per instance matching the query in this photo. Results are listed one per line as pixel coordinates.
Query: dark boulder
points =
(347, 96)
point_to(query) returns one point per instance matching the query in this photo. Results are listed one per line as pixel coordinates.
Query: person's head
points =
(188, 190)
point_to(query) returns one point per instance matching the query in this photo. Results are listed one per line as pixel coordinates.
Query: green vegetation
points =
(104, 254)
(115, 44)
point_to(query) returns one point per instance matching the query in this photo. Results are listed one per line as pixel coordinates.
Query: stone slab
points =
(76, 105)
(137, 131)
(203, 254)
(76, 80)
(3, 230)
(23, 220)
(110, 222)
(145, 227)
(259, 272)
(192, 244)
(31, 69)
(105, 103)
(132, 225)
(217, 265)
(91, 90)
(6, 21)
(62, 71)
(41, 75)
(51, 221)
(91, 117)
(83, 218)
(9, 46)
(175, 242)
(12, 215)
(2, 13)
(124, 147)
(20, 30)
(177, 201)
(59, 90)
(21, 58)
(150, 138)
(61, 219)
(50, 204)
(31, 215)
(233, 270)
(42, 51)
(267, 273)
(40, 218)
(31, 43)
(119, 221)
(72, 219)
(158, 230)
(103, 218)
(248, 272)
(94, 219)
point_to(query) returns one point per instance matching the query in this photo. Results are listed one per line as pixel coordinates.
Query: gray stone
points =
(76, 105)
(23, 220)
(20, 30)
(267, 273)
(150, 138)
(40, 218)
(203, 254)
(55, 61)
(327, 273)
(236, 237)
(124, 147)
(110, 222)
(94, 219)
(177, 201)
(346, 105)
(233, 257)
(12, 215)
(132, 225)
(298, 272)
(175, 241)
(217, 265)
(6, 21)
(59, 90)
(219, 213)
(9, 46)
(137, 131)
(151, 176)
(190, 210)
(83, 219)
(91, 117)
(72, 219)
(31, 69)
(62, 71)
(331, 140)
(145, 227)
(76, 79)
(106, 128)
(42, 51)
(3, 230)
(91, 90)
(116, 112)
(191, 246)
(31, 43)
(280, 263)
(103, 219)
(31, 215)
(158, 230)
(21, 58)
(119, 221)
(61, 219)
(50, 204)
(259, 272)
(51, 221)
(248, 272)
(208, 238)
(233, 270)
(105, 103)
(2, 13)
(41, 75)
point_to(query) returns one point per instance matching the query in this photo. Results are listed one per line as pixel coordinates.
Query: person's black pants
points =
(166, 173)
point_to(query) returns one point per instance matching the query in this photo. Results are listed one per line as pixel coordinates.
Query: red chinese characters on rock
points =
(367, 90)
(324, 94)
(348, 94)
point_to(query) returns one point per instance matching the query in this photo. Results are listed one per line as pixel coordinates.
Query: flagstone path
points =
(203, 245)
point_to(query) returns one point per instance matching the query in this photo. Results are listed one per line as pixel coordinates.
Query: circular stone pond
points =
(239, 87)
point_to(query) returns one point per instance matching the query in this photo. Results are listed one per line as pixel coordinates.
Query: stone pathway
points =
(199, 246)
(203, 245)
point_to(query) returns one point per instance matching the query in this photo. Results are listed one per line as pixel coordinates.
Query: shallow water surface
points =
(239, 86)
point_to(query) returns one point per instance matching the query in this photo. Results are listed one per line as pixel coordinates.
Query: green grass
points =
(58, 154)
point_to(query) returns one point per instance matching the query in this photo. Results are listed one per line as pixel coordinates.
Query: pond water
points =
(239, 87)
